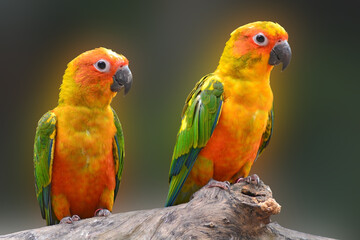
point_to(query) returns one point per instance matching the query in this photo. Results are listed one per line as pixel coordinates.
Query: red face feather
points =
(87, 71)
(245, 37)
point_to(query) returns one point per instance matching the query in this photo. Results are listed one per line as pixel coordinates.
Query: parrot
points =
(79, 145)
(227, 120)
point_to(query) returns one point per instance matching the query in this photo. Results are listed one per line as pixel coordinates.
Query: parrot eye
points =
(102, 65)
(260, 39)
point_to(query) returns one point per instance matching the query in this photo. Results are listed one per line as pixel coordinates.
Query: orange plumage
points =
(236, 100)
(79, 145)
(83, 177)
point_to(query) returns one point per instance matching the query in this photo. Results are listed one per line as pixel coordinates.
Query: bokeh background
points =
(311, 164)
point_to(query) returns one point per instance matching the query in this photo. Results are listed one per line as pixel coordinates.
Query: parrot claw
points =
(66, 220)
(69, 220)
(102, 212)
(253, 179)
(75, 218)
(213, 183)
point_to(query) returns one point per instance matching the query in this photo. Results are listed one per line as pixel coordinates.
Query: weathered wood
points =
(243, 212)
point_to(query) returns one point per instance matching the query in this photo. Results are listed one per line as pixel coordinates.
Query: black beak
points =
(281, 52)
(122, 78)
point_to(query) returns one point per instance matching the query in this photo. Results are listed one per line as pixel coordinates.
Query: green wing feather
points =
(265, 139)
(199, 118)
(118, 152)
(43, 159)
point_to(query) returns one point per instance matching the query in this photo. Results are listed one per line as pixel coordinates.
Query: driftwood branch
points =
(243, 212)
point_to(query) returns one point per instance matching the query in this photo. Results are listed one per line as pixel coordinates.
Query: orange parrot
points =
(79, 145)
(227, 118)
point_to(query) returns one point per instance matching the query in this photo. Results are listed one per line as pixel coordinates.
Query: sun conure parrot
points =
(79, 145)
(227, 118)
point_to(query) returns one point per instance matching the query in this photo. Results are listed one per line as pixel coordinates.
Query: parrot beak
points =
(281, 52)
(122, 78)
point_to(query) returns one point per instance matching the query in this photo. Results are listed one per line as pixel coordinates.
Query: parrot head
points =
(259, 45)
(94, 77)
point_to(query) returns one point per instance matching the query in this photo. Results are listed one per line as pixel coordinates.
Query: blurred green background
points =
(311, 163)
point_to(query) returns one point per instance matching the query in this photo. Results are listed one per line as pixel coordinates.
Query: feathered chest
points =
(246, 106)
(83, 134)
(241, 121)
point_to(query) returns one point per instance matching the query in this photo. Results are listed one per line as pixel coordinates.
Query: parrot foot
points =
(253, 179)
(213, 183)
(70, 220)
(102, 212)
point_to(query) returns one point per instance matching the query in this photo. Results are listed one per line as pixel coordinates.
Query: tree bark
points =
(243, 212)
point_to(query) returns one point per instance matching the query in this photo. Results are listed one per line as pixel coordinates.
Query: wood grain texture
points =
(243, 212)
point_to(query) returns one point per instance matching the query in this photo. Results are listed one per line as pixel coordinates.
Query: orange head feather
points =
(94, 77)
(254, 47)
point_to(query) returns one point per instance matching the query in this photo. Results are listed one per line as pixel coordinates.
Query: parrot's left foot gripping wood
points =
(70, 220)
(102, 212)
(253, 179)
(213, 183)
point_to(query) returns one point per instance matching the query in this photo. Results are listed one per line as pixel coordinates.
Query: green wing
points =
(265, 139)
(199, 118)
(43, 159)
(118, 152)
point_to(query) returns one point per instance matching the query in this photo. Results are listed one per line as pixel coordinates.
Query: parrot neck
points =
(246, 79)
(251, 66)
(91, 96)
(244, 68)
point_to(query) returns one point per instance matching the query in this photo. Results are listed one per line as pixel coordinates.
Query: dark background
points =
(311, 164)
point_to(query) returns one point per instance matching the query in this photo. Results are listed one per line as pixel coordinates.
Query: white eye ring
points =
(260, 39)
(102, 65)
